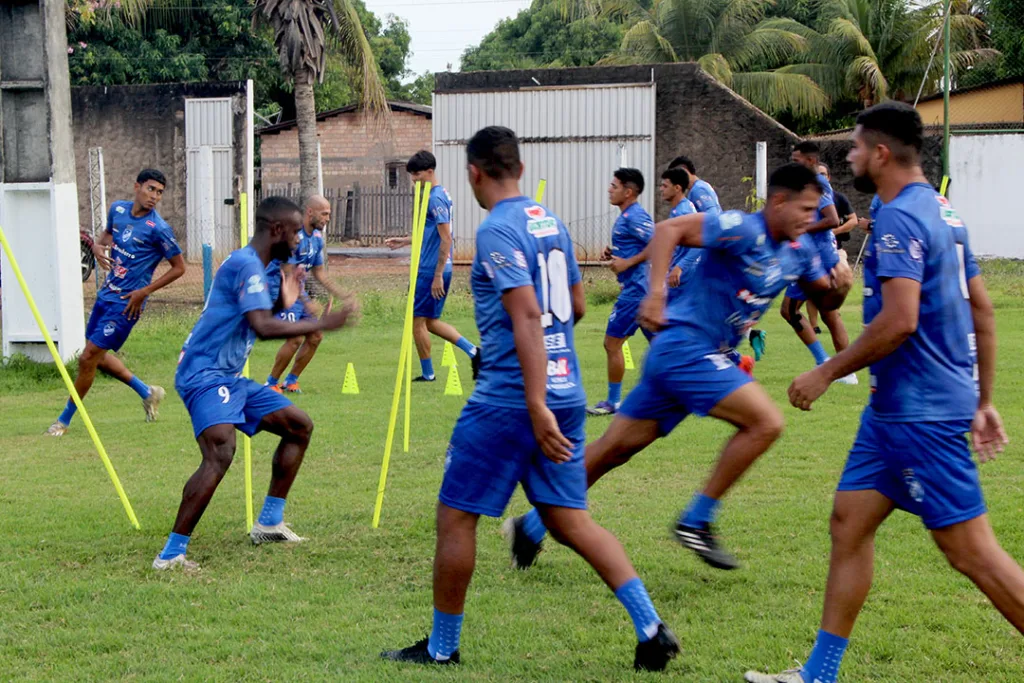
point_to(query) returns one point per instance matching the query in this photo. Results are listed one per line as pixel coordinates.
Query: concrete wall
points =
(140, 126)
(349, 150)
(999, 104)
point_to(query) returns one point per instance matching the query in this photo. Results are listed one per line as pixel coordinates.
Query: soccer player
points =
(806, 154)
(435, 272)
(926, 310)
(524, 423)
(748, 259)
(138, 240)
(627, 258)
(307, 259)
(219, 401)
(674, 183)
(847, 222)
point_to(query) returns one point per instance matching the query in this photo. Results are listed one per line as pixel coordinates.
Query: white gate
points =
(208, 123)
(574, 137)
(986, 173)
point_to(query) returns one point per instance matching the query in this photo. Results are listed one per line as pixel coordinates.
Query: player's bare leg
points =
(217, 446)
(790, 311)
(284, 356)
(454, 558)
(295, 429)
(306, 352)
(115, 367)
(834, 322)
(442, 329)
(421, 335)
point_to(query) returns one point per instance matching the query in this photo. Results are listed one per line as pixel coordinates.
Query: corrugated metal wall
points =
(208, 121)
(574, 137)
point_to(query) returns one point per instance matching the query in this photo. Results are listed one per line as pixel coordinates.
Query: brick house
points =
(350, 151)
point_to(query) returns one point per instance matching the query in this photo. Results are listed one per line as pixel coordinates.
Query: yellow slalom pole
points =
(414, 267)
(541, 186)
(67, 380)
(405, 348)
(246, 441)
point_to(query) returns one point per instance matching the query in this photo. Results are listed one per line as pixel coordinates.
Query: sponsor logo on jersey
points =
(151, 224)
(255, 284)
(542, 227)
(559, 367)
(748, 297)
(520, 258)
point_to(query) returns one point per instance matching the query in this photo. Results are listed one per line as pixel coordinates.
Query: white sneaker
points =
(152, 402)
(58, 428)
(850, 379)
(791, 676)
(279, 533)
(176, 561)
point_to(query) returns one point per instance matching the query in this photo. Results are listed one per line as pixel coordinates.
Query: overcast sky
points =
(442, 29)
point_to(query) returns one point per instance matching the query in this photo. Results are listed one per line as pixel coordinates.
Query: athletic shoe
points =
(791, 676)
(58, 428)
(747, 365)
(524, 551)
(293, 388)
(702, 540)
(418, 654)
(152, 402)
(423, 378)
(274, 387)
(758, 342)
(176, 561)
(655, 654)
(850, 379)
(603, 408)
(475, 363)
(279, 533)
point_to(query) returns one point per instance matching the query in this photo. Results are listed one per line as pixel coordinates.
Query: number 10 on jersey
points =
(556, 301)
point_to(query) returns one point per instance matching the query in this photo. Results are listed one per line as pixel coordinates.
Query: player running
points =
(627, 258)
(847, 222)
(748, 259)
(138, 239)
(684, 262)
(307, 259)
(806, 154)
(926, 310)
(524, 423)
(219, 401)
(434, 277)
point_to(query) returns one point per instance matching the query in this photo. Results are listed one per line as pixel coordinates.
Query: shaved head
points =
(318, 212)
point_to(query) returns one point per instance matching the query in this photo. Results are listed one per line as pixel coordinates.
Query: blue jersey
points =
(140, 244)
(741, 271)
(632, 231)
(876, 204)
(307, 256)
(930, 377)
(704, 198)
(684, 257)
(439, 210)
(825, 240)
(521, 244)
(221, 339)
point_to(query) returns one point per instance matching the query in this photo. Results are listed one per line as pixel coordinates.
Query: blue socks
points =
(633, 596)
(291, 379)
(818, 351)
(272, 512)
(533, 527)
(823, 663)
(615, 393)
(466, 346)
(176, 545)
(69, 412)
(271, 381)
(140, 387)
(444, 636)
(701, 511)
(427, 366)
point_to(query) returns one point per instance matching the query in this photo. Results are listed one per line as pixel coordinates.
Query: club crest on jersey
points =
(108, 329)
(126, 234)
(916, 251)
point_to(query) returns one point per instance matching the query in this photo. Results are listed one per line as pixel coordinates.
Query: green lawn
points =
(78, 599)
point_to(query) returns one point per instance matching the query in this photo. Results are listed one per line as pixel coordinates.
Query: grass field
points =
(78, 599)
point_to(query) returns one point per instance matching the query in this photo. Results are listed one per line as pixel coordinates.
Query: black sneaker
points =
(421, 378)
(655, 654)
(702, 540)
(475, 363)
(524, 551)
(418, 654)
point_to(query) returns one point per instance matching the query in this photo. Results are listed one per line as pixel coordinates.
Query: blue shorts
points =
(297, 312)
(828, 262)
(234, 400)
(622, 322)
(924, 468)
(424, 304)
(108, 326)
(678, 381)
(492, 449)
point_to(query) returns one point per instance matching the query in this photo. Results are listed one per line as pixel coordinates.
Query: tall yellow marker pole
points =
(402, 361)
(67, 381)
(541, 186)
(414, 267)
(246, 441)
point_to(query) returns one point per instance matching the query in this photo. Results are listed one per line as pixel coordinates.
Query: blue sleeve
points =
(971, 268)
(827, 196)
(702, 199)
(439, 210)
(251, 284)
(166, 243)
(110, 219)
(876, 204)
(317, 258)
(731, 231)
(900, 246)
(813, 269)
(643, 230)
(502, 258)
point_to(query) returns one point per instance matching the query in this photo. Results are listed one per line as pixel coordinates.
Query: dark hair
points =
(828, 171)
(677, 176)
(631, 176)
(685, 163)
(807, 148)
(792, 177)
(272, 209)
(148, 174)
(421, 161)
(898, 122)
(495, 151)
